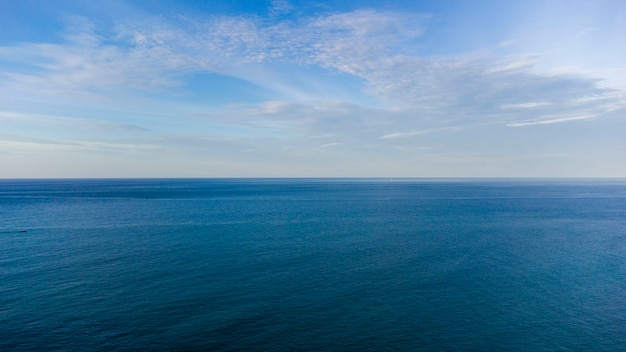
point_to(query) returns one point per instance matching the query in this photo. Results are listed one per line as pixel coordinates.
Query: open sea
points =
(312, 265)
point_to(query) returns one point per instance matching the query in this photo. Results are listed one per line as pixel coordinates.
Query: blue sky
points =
(312, 88)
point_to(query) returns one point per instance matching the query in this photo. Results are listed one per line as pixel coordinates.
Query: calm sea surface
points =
(312, 265)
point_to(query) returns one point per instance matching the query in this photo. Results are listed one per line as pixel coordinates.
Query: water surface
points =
(309, 265)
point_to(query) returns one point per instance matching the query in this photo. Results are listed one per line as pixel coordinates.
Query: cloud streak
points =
(65, 122)
(551, 121)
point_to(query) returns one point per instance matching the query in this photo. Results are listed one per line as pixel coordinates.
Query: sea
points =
(313, 265)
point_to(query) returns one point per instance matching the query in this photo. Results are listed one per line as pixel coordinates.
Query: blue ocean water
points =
(312, 265)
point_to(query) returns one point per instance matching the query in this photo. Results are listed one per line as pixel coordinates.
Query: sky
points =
(282, 88)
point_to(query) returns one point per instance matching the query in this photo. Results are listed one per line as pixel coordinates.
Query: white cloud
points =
(551, 121)
(329, 145)
(81, 31)
(280, 7)
(158, 53)
(408, 134)
(23, 143)
(152, 53)
(526, 105)
(521, 63)
(66, 122)
(402, 134)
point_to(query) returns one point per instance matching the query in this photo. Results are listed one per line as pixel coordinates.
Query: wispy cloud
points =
(65, 122)
(329, 145)
(356, 79)
(25, 143)
(367, 44)
(526, 105)
(402, 134)
(280, 7)
(519, 64)
(550, 121)
(408, 134)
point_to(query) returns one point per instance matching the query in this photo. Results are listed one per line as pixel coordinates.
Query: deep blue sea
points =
(312, 265)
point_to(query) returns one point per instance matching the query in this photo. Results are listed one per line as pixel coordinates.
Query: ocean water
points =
(312, 265)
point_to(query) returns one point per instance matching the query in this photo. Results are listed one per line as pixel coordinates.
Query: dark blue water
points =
(312, 265)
